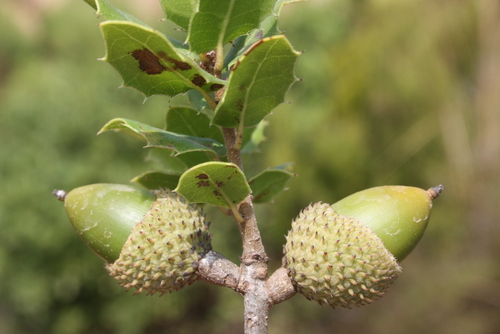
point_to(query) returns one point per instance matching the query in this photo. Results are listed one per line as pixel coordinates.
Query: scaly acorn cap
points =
(161, 237)
(335, 260)
(162, 252)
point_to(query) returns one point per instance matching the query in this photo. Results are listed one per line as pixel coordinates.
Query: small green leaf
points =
(164, 139)
(217, 22)
(191, 122)
(156, 180)
(179, 11)
(257, 84)
(149, 62)
(167, 161)
(217, 183)
(253, 137)
(266, 185)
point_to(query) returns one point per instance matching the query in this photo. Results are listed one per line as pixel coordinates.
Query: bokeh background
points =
(393, 92)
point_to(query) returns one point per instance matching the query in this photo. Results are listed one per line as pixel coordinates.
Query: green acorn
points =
(347, 254)
(397, 214)
(151, 241)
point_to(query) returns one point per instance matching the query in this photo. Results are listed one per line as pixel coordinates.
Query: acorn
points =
(151, 241)
(347, 254)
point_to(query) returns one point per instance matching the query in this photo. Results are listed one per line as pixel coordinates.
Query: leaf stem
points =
(219, 60)
(232, 147)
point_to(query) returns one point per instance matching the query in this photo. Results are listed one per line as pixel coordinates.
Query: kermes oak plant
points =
(235, 67)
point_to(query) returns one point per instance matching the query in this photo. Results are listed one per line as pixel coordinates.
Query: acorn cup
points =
(347, 254)
(151, 241)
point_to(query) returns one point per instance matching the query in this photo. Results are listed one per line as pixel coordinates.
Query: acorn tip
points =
(434, 192)
(59, 194)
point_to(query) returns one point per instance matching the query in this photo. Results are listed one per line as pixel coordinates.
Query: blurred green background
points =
(394, 92)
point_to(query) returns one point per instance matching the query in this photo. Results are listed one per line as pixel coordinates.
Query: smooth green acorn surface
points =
(398, 215)
(103, 215)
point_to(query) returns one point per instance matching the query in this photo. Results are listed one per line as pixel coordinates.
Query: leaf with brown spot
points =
(149, 62)
(217, 183)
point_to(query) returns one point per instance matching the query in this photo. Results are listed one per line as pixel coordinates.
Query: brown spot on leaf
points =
(216, 193)
(198, 80)
(216, 86)
(239, 105)
(177, 64)
(219, 184)
(148, 61)
(202, 176)
(203, 184)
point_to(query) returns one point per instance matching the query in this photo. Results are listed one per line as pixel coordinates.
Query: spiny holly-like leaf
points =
(268, 28)
(156, 180)
(217, 22)
(150, 63)
(271, 182)
(217, 183)
(164, 139)
(257, 84)
(179, 11)
(191, 122)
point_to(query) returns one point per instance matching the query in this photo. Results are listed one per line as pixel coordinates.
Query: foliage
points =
(260, 74)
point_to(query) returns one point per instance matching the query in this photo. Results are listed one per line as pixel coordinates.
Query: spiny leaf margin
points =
(258, 83)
